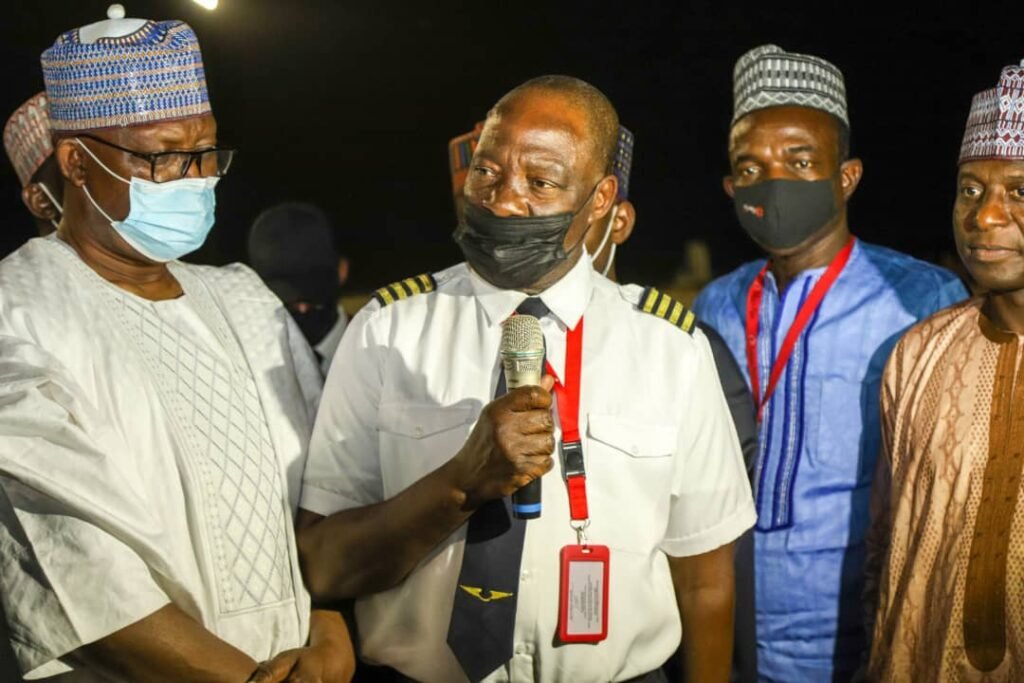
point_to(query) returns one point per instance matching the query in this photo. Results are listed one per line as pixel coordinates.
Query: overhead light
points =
(207, 4)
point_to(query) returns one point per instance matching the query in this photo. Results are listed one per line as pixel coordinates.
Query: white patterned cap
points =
(995, 126)
(27, 137)
(768, 76)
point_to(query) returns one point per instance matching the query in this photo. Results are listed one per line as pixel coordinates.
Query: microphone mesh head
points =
(521, 334)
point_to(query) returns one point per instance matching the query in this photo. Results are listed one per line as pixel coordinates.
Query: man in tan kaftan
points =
(946, 552)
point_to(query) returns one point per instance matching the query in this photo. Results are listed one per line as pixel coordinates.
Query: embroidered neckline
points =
(993, 332)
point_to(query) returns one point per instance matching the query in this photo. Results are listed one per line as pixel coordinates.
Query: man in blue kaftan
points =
(842, 304)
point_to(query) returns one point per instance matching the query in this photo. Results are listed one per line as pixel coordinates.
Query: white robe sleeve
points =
(307, 371)
(74, 521)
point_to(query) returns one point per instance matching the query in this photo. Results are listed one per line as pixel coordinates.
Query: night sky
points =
(350, 105)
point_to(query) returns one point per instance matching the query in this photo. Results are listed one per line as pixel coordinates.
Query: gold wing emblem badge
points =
(478, 593)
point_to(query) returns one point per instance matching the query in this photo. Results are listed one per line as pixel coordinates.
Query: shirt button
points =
(634, 450)
(520, 649)
(525, 574)
(418, 431)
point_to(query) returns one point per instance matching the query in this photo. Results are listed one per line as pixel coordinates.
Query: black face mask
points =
(780, 214)
(316, 322)
(514, 252)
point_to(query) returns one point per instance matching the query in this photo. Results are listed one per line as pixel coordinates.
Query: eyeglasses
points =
(175, 165)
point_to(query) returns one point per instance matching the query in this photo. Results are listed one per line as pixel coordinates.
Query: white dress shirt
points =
(664, 471)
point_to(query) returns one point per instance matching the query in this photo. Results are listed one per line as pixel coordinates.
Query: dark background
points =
(351, 104)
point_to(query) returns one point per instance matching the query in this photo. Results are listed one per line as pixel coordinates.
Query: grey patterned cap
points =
(768, 76)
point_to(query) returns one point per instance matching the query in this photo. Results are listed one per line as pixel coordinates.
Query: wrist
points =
(327, 627)
(457, 484)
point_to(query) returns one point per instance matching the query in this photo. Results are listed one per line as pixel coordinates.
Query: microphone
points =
(522, 356)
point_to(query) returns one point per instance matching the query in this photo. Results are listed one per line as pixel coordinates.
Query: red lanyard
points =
(754, 296)
(568, 395)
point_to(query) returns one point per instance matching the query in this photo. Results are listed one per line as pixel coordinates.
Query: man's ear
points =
(38, 204)
(625, 219)
(343, 267)
(605, 195)
(850, 173)
(71, 161)
(728, 186)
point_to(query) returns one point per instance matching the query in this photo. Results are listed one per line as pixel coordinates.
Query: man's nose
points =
(777, 171)
(508, 199)
(194, 169)
(992, 212)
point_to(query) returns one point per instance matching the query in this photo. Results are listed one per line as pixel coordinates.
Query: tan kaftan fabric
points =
(946, 551)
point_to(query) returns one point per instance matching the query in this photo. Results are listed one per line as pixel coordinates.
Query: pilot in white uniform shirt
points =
(665, 474)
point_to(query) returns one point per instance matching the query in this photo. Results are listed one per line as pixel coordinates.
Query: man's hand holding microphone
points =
(511, 446)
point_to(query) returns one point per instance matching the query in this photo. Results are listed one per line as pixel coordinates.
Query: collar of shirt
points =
(994, 333)
(567, 298)
(329, 344)
(809, 274)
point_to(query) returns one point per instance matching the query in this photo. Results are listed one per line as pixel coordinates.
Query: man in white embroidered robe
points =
(154, 416)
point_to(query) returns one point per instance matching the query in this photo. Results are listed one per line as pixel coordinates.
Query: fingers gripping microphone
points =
(522, 356)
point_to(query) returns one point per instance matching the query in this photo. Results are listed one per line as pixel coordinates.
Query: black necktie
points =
(484, 611)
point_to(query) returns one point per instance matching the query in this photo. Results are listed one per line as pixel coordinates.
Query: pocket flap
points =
(420, 420)
(639, 439)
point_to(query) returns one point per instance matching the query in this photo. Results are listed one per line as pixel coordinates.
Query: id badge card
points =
(583, 598)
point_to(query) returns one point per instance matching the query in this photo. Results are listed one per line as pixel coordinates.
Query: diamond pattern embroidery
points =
(994, 125)
(217, 404)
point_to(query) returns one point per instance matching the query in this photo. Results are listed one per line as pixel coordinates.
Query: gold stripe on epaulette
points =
(663, 306)
(688, 321)
(649, 299)
(403, 289)
(412, 285)
(677, 310)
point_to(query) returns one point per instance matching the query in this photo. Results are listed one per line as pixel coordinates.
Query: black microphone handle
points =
(526, 501)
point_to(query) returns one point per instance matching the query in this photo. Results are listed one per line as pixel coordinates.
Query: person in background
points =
(155, 415)
(291, 246)
(812, 326)
(29, 147)
(602, 242)
(946, 549)
(460, 156)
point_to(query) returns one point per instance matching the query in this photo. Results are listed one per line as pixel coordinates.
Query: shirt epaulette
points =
(403, 289)
(665, 307)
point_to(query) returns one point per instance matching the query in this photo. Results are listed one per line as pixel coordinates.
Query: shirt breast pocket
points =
(629, 477)
(417, 438)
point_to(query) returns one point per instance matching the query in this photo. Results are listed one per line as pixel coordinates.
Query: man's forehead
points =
(180, 131)
(781, 123)
(541, 120)
(993, 169)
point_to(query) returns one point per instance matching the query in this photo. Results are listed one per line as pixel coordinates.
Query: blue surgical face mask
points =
(165, 220)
